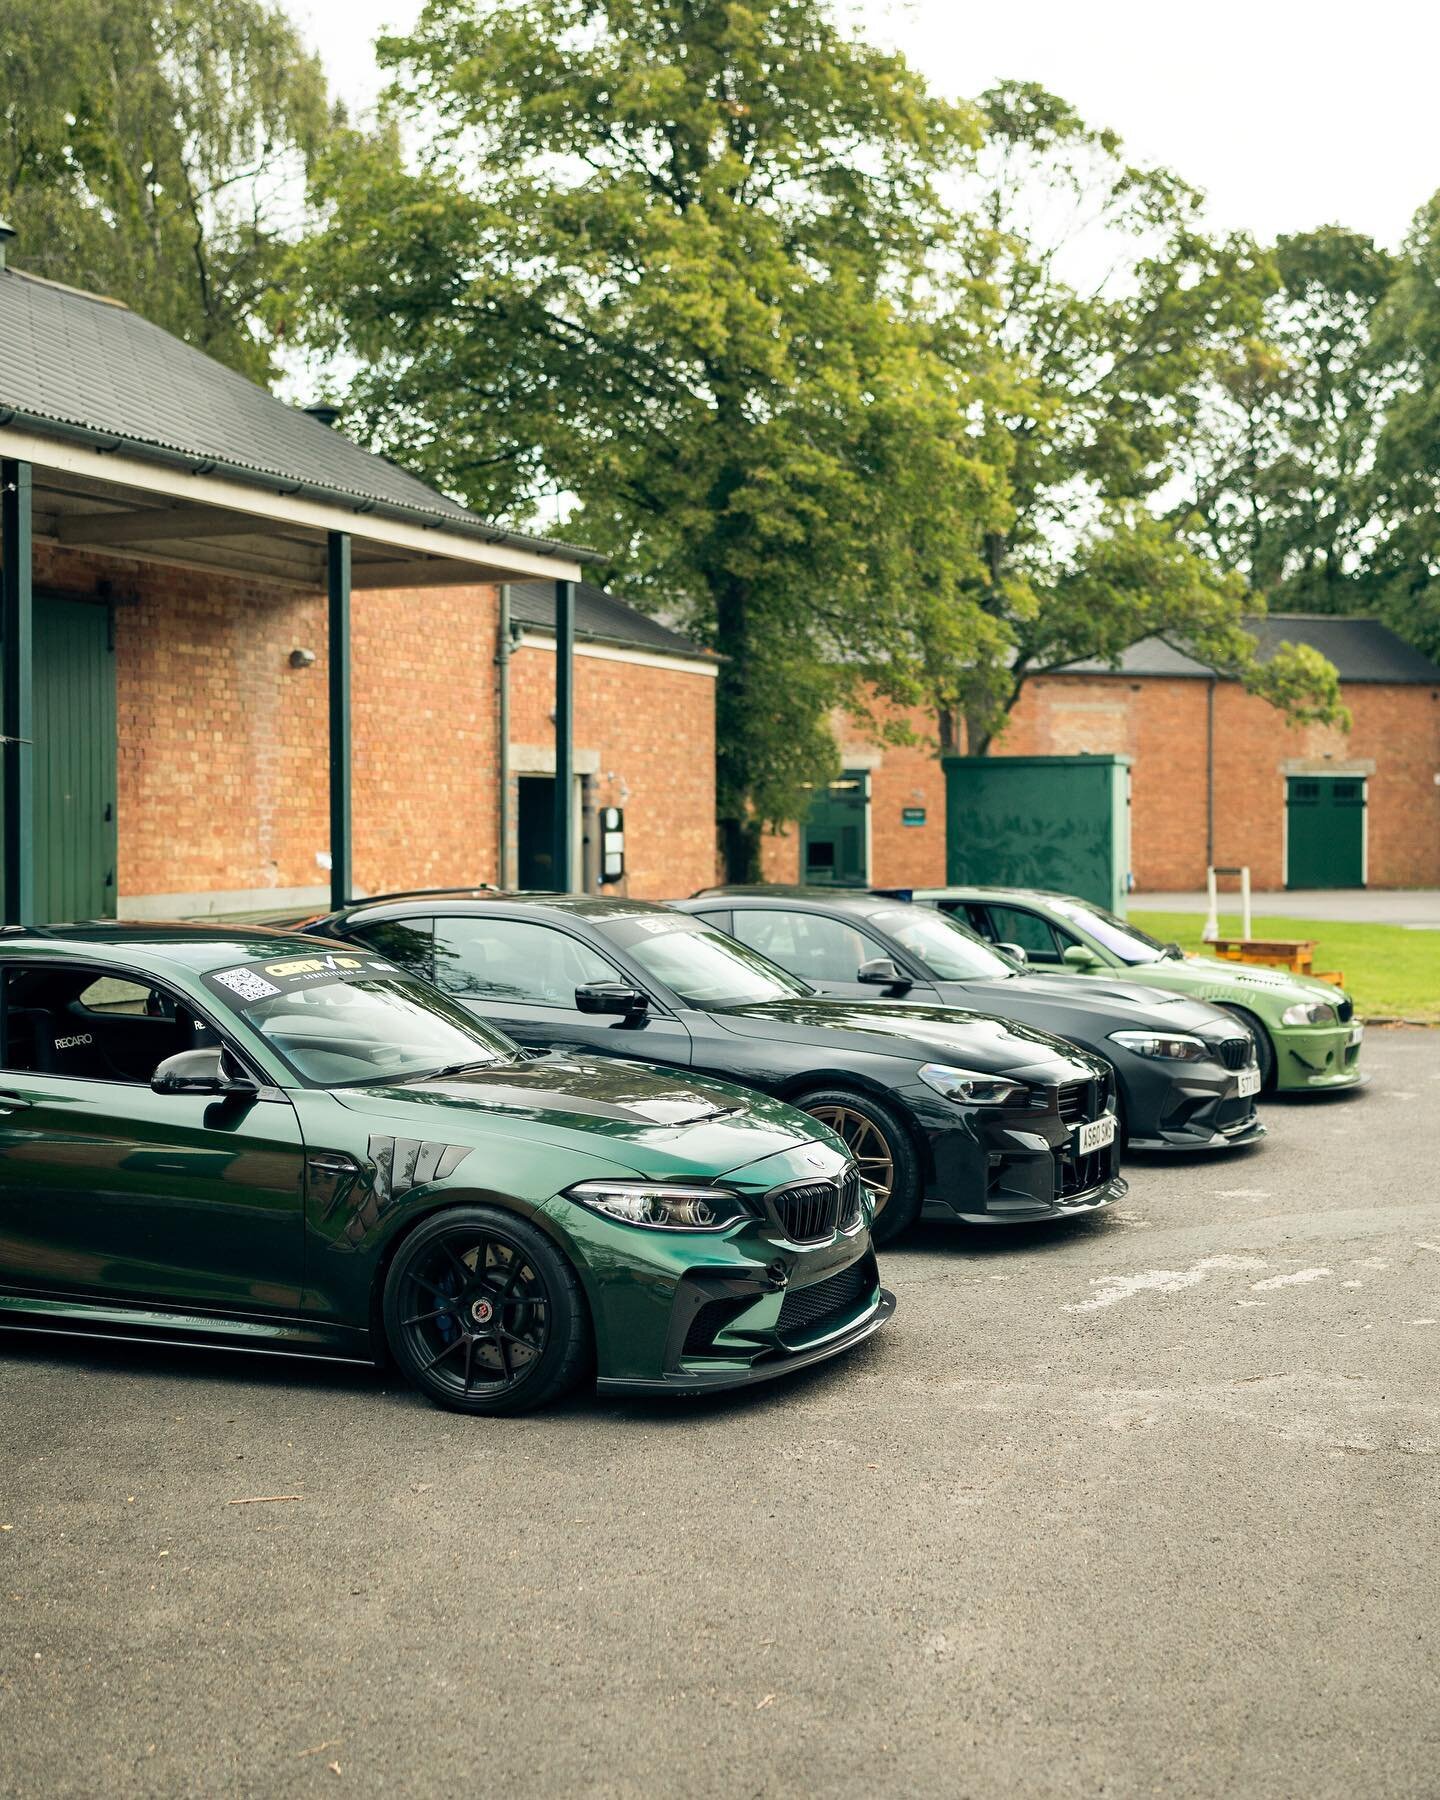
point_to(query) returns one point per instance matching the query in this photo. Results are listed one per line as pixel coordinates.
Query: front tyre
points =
(483, 1314)
(881, 1146)
(1264, 1048)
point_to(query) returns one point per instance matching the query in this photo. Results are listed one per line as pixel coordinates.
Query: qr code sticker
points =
(247, 984)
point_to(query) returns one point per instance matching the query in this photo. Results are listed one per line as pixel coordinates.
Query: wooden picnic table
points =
(1295, 954)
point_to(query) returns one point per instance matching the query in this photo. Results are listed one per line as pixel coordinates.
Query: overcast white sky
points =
(1290, 113)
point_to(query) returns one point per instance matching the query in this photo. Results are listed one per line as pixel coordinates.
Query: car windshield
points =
(1127, 941)
(945, 948)
(697, 963)
(350, 1030)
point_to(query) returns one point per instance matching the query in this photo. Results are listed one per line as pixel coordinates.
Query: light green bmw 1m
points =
(1305, 1030)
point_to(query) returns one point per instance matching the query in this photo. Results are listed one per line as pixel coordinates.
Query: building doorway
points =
(535, 832)
(1325, 831)
(835, 838)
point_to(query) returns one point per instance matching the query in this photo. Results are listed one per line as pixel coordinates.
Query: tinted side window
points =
(1034, 935)
(511, 959)
(816, 948)
(409, 943)
(92, 1026)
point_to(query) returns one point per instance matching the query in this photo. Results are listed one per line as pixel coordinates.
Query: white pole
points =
(1245, 901)
(1212, 918)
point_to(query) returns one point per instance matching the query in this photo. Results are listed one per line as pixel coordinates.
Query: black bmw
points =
(1187, 1072)
(953, 1114)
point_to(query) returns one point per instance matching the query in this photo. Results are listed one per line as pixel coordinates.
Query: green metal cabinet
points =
(1057, 822)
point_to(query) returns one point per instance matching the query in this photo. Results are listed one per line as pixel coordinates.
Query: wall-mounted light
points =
(302, 659)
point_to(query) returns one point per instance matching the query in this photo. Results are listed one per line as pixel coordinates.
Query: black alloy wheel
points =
(882, 1149)
(483, 1314)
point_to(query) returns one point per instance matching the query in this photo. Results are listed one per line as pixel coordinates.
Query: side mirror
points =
(203, 1071)
(1016, 952)
(615, 998)
(1080, 956)
(880, 971)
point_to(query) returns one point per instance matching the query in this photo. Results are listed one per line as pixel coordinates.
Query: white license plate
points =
(1357, 1032)
(1096, 1135)
(1249, 1083)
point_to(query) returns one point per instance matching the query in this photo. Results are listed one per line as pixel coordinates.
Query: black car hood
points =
(917, 1032)
(1109, 1005)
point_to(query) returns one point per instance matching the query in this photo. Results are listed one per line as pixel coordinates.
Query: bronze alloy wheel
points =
(866, 1143)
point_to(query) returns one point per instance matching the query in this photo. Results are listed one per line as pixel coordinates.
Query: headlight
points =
(1309, 1012)
(660, 1207)
(972, 1089)
(1170, 1046)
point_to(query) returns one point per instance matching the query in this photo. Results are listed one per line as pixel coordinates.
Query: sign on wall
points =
(912, 815)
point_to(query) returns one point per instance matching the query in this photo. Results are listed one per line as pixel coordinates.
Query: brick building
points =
(1218, 777)
(265, 666)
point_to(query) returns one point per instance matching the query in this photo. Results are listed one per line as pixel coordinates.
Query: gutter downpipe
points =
(502, 664)
(1210, 773)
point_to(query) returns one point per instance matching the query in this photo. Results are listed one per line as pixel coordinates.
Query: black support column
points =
(338, 585)
(564, 734)
(16, 688)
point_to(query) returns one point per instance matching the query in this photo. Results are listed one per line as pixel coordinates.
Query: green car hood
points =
(654, 1121)
(1206, 975)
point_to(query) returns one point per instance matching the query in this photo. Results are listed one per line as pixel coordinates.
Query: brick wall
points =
(649, 731)
(426, 744)
(222, 767)
(1394, 741)
(901, 776)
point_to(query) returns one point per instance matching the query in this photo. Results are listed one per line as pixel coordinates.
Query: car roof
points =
(781, 890)
(979, 893)
(198, 947)
(850, 900)
(472, 900)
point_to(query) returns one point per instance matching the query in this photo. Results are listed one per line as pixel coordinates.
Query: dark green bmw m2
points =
(222, 1137)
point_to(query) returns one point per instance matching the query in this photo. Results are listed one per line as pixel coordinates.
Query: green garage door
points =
(74, 723)
(1325, 831)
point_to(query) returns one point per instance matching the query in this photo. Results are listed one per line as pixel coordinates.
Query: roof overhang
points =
(122, 501)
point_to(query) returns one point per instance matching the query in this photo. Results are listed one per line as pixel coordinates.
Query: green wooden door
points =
(1325, 831)
(74, 724)
(833, 839)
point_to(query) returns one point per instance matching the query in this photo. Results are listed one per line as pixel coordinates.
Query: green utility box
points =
(1057, 822)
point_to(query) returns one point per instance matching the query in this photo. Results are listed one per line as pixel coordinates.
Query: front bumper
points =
(1315, 1059)
(1197, 1110)
(1013, 1168)
(685, 1312)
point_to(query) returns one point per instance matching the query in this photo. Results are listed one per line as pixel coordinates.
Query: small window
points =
(511, 959)
(1035, 936)
(807, 944)
(408, 943)
(92, 1026)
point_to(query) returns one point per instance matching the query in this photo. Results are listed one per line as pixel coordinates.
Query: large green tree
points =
(154, 150)
(1111, 310)
(1406, 554)
(677, 258)
(1282, 469)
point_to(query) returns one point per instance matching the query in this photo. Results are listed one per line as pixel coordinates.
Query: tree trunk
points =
(740, 850)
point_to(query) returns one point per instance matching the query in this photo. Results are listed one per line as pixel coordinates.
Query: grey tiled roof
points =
(599, 618)
(1361, 650)
(69, 359)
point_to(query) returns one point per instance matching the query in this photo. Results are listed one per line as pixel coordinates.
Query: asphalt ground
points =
(1418, 908)
(1141, 1505)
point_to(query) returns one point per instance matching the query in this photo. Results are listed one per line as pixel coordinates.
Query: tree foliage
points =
(149, 152)
(674, 258)
(1112, 313)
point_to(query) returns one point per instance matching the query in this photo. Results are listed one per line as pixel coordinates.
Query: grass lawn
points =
(1389, 971)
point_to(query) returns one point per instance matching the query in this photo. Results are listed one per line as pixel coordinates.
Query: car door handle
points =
(323, 1162)
(13, 1103)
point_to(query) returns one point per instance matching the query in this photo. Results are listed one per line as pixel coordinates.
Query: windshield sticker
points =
(249, 983)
